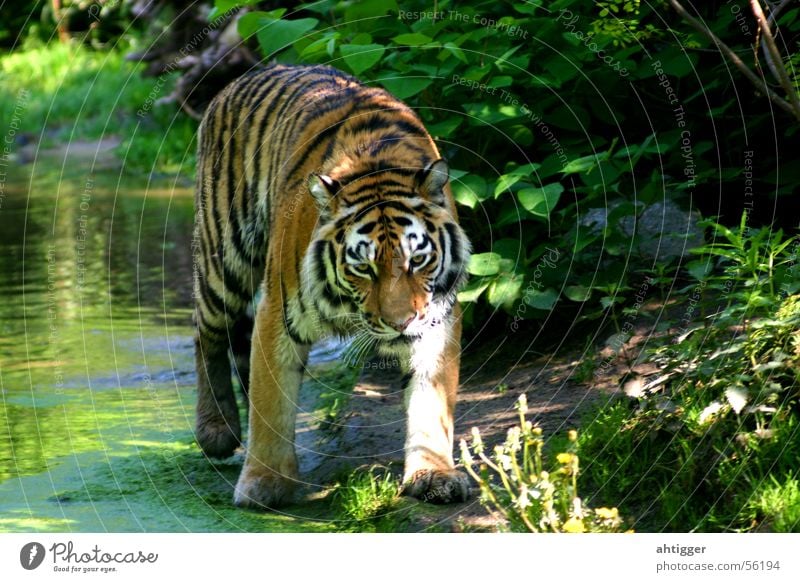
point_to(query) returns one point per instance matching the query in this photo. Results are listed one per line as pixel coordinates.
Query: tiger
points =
(330, 198)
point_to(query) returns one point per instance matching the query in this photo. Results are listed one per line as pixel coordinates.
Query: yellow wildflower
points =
(606, 513)
(564, 458)
(574, 525)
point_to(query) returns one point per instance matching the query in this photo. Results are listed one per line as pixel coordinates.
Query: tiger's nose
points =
(400, 326)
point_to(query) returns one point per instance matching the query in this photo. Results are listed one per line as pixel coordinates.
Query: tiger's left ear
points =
(431, 181)
(323, 189)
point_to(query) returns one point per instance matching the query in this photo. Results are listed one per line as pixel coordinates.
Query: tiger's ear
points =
(323, 189)
(431, 181)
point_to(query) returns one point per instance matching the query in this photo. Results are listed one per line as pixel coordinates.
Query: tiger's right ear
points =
(323, 189)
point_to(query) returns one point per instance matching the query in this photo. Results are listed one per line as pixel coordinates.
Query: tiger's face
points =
(394, 262)
(390, 263)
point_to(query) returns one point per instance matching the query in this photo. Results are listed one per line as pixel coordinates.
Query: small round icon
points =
(31, 555)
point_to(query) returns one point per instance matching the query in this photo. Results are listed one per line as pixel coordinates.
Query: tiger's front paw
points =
(438, 486)
(262, 488)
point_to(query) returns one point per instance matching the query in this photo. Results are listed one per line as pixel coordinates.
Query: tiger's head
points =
(388, 250)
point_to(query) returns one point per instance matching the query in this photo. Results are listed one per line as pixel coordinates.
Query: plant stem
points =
(760, 84)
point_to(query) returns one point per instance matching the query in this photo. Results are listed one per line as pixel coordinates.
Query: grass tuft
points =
(367, 500)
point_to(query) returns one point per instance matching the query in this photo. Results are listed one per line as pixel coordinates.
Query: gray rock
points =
(661, 231)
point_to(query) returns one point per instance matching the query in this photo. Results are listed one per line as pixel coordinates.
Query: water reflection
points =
(95, 281)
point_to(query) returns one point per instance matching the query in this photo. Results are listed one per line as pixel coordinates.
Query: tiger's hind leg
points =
(241, 338)
(217, 426)
(223, 336)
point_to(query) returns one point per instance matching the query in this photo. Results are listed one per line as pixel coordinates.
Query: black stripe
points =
(207, 328)
(446, 286)
(456, 250)
(320, 107)
(383, 205)
(319, 250)
(385, 166)
(237, 239)
(287, 320)
(210, 298)
(380, 120)
(376, 167)
(315, 143)
(288, 128)
(368, 227)
(332, 259)
(252, 193)
(234, 286)
(216, 172)
(384, 183)
(273, 158)
(252, 93)
(411, 128)
(396, 193)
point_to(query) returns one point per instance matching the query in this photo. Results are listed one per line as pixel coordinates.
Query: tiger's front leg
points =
(269, 476)
(430, 474)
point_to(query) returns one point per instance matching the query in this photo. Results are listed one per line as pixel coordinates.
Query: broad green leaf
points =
(473, 290)
(280, 34)
(319, 47)
(469, 190)
(501, 81)
(510, 214)
(412, 39)
(699, 269)
(540, 299)
(521, 135)
(540, 201)
(450, 49)
(505, 181)
(504, 291)
(444, 128)
(368, 10)
(224, 6)
(577, 293)
(361, 38)
(584, 164)
(405, 87)
(361, 57)
(607, 302)
(509, 248)
(484, 264)
(249, 23)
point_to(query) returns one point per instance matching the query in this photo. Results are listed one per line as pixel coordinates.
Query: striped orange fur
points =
(332, 197)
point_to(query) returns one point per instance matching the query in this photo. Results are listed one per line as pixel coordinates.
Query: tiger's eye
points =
(417, 260)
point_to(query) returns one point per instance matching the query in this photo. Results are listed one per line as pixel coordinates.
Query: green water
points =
(96, 366)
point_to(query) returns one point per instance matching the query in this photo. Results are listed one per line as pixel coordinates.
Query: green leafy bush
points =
(713, 442)
(545, 112)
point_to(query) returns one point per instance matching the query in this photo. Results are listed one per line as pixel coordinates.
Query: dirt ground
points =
(492, 378)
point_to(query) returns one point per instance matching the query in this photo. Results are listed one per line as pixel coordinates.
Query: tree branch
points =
(759, 83)
(777, 61)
